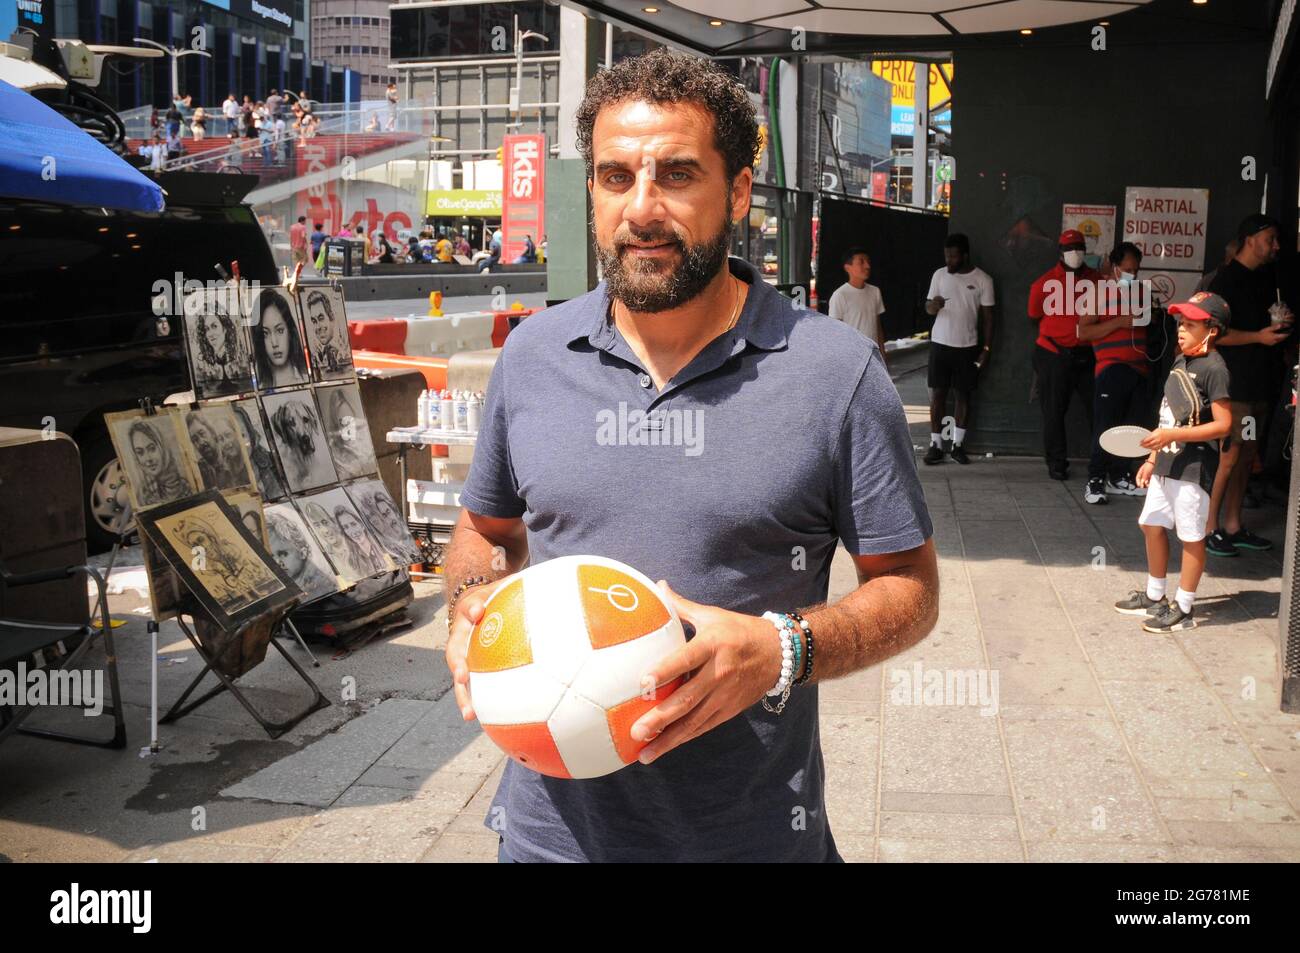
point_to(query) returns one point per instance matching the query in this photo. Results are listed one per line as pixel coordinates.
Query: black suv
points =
(79, 336)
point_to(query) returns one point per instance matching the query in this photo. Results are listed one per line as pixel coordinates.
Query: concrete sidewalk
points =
(1092, 741)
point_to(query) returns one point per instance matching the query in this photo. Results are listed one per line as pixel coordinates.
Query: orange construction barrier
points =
(383, 337)
(501, 326)
(434, 369)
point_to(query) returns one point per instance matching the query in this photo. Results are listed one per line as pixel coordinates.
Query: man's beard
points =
(649, 286)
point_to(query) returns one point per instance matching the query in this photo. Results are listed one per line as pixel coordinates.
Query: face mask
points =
(1125, 278)
(1202, 348)
(1073, 259)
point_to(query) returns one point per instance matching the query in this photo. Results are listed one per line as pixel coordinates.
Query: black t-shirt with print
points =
(1195, 462)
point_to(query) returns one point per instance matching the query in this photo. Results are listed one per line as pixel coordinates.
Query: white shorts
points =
(1178, 505)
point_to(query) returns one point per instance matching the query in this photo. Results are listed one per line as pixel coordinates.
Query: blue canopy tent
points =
(48, 159)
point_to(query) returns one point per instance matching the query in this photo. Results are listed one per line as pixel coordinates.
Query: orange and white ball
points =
(557, 659)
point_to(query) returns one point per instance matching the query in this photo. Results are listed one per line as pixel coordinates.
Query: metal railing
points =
(240, 154)
(366, 116)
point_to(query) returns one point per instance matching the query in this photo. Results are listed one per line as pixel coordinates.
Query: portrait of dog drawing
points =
(300, 440)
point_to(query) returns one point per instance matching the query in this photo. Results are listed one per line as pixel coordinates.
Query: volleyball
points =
(556, 662)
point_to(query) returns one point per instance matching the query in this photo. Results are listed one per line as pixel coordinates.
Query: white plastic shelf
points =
(425, 437)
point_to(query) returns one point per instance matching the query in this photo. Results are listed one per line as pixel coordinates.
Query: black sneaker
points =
(1220, 543)
(1059, 473)
(1139, 603)
(933, 455)
(958, 454)
(1245, 539)
(1095, 491)
(1171, 618)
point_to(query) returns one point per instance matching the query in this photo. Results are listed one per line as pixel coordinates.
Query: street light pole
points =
(516, 93)
(175, 53)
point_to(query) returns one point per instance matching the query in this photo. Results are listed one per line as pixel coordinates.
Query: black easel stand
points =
(273, 728)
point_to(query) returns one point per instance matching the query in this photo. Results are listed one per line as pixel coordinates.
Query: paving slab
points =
(320, 773)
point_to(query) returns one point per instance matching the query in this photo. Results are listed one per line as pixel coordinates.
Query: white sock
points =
(1185, 599)
(1155, 588)
(935, 439)
(958, 436)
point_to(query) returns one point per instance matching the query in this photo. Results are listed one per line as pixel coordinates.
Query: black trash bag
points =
(371, 602)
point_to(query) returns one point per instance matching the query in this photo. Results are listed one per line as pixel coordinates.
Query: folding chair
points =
(20, 639)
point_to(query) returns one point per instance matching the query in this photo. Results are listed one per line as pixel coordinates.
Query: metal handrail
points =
(338, 124)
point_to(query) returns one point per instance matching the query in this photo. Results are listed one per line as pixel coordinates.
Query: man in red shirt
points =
(1118, 334)
(298, 240)
(1063, 364)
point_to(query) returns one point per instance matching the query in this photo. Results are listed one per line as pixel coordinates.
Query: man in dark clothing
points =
(1118, 335)
(1063, 363)
(1250, 349)
(317, 239)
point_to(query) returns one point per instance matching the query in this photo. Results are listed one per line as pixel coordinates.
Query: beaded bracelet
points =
(808, 642)
(798, 653)
(785, 634)
(465, 584)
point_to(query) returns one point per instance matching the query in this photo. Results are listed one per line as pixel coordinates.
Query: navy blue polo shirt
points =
(734, 483)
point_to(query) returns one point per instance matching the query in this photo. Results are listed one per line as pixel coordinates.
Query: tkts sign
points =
(522, 198)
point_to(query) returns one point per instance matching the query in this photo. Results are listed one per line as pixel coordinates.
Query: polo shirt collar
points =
(761, 321)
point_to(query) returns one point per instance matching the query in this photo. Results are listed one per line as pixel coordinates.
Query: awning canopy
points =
(46, 158)
(878, 27)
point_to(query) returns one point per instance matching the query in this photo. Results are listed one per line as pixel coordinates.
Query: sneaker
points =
(1139, 603)
(1220, 543)
(1125, 487)
(1245, 539)
(933, 455)
(1095, 491)
(958, 454)
(1171, 618)
(1059, 473)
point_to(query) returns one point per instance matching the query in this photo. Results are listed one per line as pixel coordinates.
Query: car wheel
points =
(105, 494)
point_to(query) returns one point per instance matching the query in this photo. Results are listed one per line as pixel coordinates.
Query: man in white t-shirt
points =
(961, 300)
(858, 304)
(230, 109)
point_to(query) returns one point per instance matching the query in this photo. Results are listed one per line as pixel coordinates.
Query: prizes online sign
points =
(901, 75)
(523, 160)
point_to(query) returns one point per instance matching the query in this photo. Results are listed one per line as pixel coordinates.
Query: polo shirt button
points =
(644, 380)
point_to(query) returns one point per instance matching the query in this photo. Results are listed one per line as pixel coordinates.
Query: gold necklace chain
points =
(735, 311)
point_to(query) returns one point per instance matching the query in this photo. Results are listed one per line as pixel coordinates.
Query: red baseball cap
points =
(1071, 236)
(1204, 306)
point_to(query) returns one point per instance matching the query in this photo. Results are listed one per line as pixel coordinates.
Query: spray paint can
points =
(462, 412)
(474, 412)
(447, 412)
(435, 412)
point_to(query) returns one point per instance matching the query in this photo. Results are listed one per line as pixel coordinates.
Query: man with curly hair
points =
(728, 441)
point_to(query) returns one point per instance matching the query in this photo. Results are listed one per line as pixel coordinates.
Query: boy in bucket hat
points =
(1179, 473)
